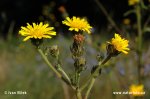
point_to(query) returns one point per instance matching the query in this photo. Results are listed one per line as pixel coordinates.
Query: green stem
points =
(49, 64)
(138, 14)
(64, 73)
(66, 80)
(77, 78)
(78, 94)
(85, 85)
(89, 88)
(95, 72)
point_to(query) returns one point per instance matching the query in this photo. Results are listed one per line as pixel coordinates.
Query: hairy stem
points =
(78, 94)
(138, 14)
(60, 69)
(59, 75)
(93, 77)
(49, 64)
(89, 88)
(65, 75)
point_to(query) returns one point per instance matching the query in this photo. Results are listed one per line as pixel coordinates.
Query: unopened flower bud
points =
(77, 48)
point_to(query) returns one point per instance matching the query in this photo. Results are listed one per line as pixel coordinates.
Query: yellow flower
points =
(77, 24)
(37, 31)
(120, 44)
(133, 2)
(137, 90)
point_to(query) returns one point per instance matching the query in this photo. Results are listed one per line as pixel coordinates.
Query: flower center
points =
(37, 32)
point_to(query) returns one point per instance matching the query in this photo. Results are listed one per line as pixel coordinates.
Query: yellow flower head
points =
(137, 90)
(37, 31)
(77, 24)
(120, 44)
(133, 2)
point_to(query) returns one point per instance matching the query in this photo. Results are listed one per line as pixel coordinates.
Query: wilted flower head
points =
(78, 38)
(137, 90)
(133, 2)
(120, 44)
(37, 31)
(77, 24)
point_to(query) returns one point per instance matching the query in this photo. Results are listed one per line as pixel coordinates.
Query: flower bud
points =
(54, 50)
(77, 48)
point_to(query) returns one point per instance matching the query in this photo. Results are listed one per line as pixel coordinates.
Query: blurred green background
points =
(22, 68)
